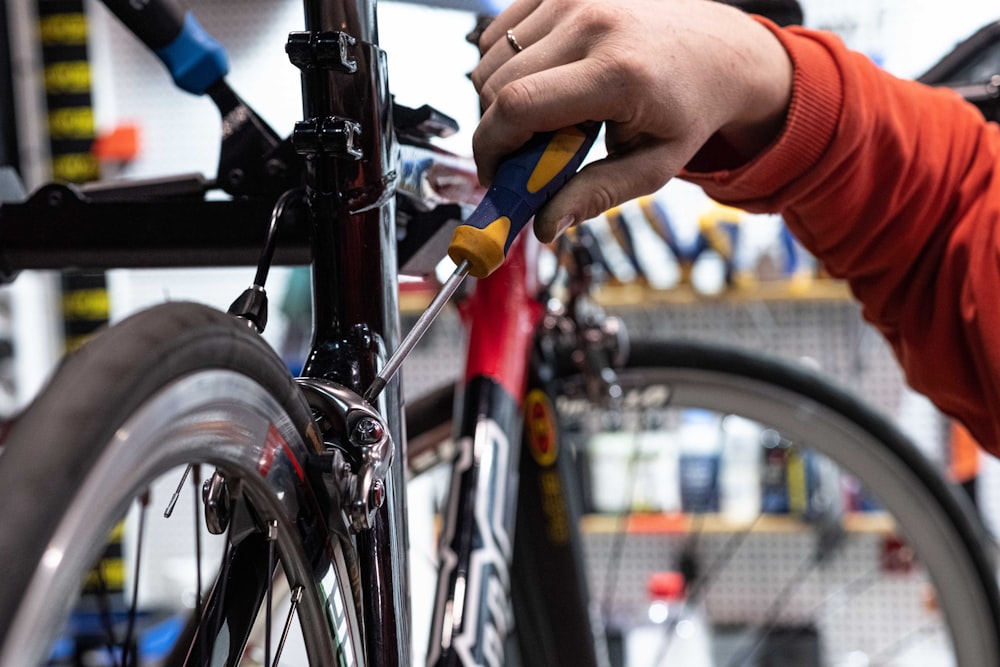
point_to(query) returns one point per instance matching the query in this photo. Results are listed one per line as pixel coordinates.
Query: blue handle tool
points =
(525, 181)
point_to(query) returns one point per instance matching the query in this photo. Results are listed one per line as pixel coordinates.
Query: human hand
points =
(664, 75)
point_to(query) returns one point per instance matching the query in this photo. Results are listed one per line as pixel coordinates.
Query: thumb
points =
(604, 184)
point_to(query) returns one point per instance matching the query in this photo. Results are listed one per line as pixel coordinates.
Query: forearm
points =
(892, 186)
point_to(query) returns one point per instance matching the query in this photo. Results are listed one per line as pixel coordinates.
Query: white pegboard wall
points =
(854, 606)
(829, 336)
(179, 132)
(906, 36)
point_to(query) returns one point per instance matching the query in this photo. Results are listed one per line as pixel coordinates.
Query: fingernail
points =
(565, 223)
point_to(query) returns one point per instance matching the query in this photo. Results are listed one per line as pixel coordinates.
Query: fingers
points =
(502, 61)
(508, 19)
(607, 183)
(548, 100)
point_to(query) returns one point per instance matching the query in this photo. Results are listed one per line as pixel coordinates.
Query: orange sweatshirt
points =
(896, 188)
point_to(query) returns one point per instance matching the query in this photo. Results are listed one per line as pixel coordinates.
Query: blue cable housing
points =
(195, 59)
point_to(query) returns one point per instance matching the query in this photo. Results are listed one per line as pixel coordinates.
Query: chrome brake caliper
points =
(359, 449)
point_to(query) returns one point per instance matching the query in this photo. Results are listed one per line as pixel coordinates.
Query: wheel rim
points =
(216, 418)
(806, 420)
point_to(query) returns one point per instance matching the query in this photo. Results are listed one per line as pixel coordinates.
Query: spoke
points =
(105, 611)
(703, 583)
(220, 593)
(296, 596)
(807, 565)
(615, 560)
(134, 605)
(197, 538)
(272, 536)
(700, 583)
(209, 626)
(167, 513)
(908, 640)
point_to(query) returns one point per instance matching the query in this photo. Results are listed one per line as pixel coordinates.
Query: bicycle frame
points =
(350, 195)
(471, 616)
(496, 477)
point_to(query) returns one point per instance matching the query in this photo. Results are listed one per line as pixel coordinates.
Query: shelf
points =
(638, 295)
(655, 524)
(635, 295)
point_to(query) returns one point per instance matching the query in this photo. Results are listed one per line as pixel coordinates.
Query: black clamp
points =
(321, 50)
(331, 135)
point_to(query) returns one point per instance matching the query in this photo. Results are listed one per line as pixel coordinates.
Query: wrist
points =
(767, 95)
(764, 95)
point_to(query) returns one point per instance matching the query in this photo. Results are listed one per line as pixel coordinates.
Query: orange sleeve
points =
(964, 461)
(895, 187)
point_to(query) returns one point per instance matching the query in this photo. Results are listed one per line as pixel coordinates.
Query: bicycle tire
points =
(175, 385)
(934, 520)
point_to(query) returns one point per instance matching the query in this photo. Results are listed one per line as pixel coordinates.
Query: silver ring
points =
(514, 44)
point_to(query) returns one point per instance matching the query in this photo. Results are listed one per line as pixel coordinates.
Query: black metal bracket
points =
(329, 50)
(339, 137)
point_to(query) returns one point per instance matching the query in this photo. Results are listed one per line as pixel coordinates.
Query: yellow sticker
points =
(540, 426)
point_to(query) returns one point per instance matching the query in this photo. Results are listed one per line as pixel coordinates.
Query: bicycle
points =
(304, 486)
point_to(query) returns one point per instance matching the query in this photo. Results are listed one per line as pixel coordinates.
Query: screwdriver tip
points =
(374, 390)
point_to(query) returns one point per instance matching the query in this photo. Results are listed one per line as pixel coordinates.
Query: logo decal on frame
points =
(540, 427)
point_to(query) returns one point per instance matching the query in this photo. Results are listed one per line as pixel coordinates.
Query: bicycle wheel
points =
(149, 409)
(855, 551)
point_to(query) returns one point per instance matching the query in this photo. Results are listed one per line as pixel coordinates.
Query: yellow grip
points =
(561, 150)
(482, 248)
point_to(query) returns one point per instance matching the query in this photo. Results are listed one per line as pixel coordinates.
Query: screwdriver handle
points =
(525, 181)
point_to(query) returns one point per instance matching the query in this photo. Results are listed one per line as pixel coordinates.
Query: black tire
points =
(953, 554)
(178, 385)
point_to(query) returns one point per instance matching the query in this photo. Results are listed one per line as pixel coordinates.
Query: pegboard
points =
(827, 335)
(179, 133)
(846, 597)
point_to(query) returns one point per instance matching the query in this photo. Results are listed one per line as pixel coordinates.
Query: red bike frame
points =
(480, 565)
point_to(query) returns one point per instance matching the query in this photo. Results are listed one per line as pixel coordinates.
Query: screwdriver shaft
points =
(423, 323)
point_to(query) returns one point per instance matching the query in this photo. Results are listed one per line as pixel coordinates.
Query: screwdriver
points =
(525, 181)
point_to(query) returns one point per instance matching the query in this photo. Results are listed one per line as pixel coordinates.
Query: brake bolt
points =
(367, 431)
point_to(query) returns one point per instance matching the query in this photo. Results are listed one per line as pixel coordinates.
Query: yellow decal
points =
(540, 424)
(557, 527)
(556, 156)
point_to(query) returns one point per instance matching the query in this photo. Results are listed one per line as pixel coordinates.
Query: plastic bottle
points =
(700, 453)
(739, 476)
(673, 633)
(634, 471)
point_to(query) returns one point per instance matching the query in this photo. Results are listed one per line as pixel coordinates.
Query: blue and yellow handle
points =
(525, 181)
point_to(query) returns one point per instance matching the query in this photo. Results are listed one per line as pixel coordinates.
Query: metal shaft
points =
(423, 323)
